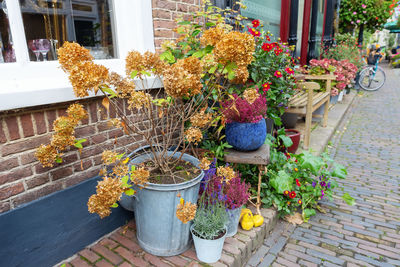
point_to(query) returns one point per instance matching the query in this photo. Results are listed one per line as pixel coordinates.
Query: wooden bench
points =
(305, 102)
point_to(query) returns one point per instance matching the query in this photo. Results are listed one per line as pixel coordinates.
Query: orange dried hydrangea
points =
(185, 211)
(149, 61)
(134, 61)
(235, 47)
(109, 157)
(87, 76)
(139, 99)
(201, 119)
(47, 155)
(61, 141)
(121, 170)
(212, 36)
(205, 164)
(152, 62)
(241, 75)
(76, 112)
(193, 135)
(108, 192)
(183, 78)
(71, 54)
(140, 176)
(123, 86)
(227, 172)
(251, 95)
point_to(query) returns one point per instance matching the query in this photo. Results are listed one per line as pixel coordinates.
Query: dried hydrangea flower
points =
(121, 170)
(109, 157)
(183, 78)
(71, 54)
(208, 61)
(235, 47)
(108, 191)
(134, 62)
(123, 86)
(87, 76)
(212, 36)
(168, 44)
(76, 112)
(205, 164)
(185, 212)
(47, 155)
(241, 75)
(251, 95)
(201, 119)
(114, 122)
(153, 63)
(140, 176)
(61, 141)
(139, 99)
(64, 125)
(193, 135)
(227, 172)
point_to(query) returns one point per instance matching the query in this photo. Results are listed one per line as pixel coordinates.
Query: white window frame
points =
(25, 83)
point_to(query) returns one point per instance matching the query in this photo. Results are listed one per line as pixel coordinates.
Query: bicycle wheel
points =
(369, 82)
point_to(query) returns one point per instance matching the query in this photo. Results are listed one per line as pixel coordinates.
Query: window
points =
(6, 43)
(49, 23)
(108, 28)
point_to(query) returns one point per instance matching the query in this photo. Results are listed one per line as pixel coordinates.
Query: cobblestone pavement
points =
(367, 234)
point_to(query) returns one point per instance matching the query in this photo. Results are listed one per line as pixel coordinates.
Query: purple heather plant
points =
(240, 110)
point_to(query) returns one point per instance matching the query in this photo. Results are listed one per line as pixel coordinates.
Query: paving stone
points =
(324, 256)
(267, 260)
(286, 262)
(278, 246)
(372, 261)
(256, 257)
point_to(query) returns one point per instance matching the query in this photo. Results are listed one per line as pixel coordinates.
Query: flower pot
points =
(233, 221)
(270, 125)
(295, 137)
(319, 112)
(246, 136)
(208, 251)
(334, 99)
(340, 96)
(158, 230)
(289, 120)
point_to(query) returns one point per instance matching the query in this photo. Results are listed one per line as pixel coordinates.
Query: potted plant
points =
(173, 116)
(230, 189)
(209, 228)
(294, 135)
(245, 127)
(272, 72)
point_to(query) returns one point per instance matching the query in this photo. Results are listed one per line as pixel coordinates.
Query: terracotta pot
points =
(295, 136)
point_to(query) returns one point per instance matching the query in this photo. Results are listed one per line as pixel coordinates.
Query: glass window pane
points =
(269, 11)
(49, 23)
(6, 43)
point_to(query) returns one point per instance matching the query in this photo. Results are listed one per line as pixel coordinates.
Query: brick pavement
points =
(367, 234)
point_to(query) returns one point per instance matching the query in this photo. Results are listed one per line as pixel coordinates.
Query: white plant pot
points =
(208, 251)
(340, 96)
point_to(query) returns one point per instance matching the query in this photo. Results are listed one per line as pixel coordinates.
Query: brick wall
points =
(164, 14)
(23, 179)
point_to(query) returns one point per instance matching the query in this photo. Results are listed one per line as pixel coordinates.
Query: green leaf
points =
(115, 205)
(145, 73)
(212, 69)
(287, 142)
(195, 33)
(124, 180)
(208, 48)
(339, 171)
(307, 213)
(59, 159)
(168, 56)
(130, 192)
(78, 143)
(348, 199)
(281, 181)
(185, 22)
(134, 74)
(109, 91)
(210, 24)
(231, 66)
(311, 162)
(231, 75)
(198, 54)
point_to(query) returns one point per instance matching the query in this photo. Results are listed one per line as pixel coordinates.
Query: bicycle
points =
(372, 77)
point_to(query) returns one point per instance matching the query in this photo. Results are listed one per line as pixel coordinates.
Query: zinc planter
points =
(289, 120)
(340, 97)
(245, 136)
(233, 221)
(208, 251)
(334, 99)
(158, 230)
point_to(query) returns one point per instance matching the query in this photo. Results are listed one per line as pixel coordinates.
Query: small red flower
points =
(266, 87)
(268, 38)
(255, 23)
(289, 71)
(278, 74)
(286, 192)
(299, 201)
(254, 32)
(267, 47)
(292, 194)
(298, 182)
(278, 51)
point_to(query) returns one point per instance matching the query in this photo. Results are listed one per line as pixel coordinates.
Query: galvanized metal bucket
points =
(208, 251)
(233, 221)
(159, 231)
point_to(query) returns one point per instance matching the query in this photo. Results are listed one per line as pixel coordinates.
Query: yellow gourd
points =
(243, 212)
(247, 222)
(258, 220)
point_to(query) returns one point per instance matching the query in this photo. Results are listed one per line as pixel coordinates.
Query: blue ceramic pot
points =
(246, 136)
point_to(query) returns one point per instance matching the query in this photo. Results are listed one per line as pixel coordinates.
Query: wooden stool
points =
(259, 157)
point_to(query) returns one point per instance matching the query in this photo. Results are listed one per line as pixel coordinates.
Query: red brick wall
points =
(164, 14)
(23, 179)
